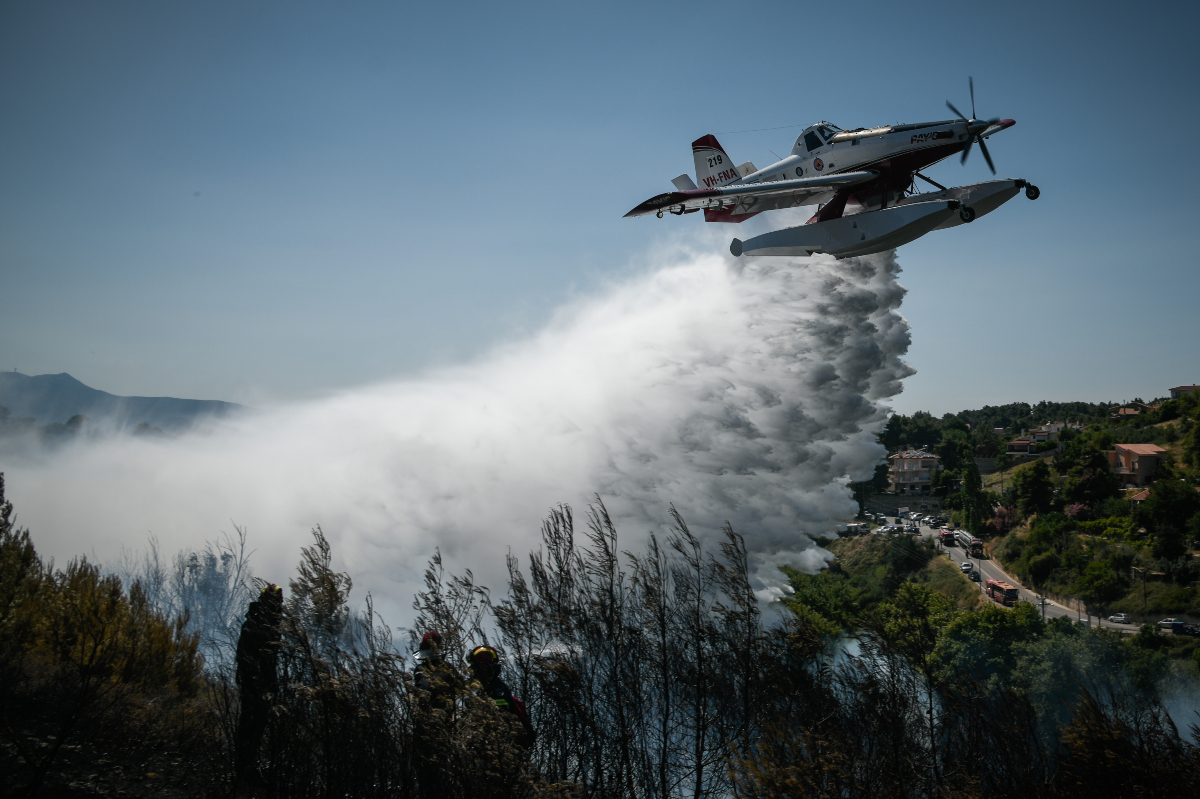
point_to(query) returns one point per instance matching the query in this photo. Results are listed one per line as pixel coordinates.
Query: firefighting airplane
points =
(863, 182)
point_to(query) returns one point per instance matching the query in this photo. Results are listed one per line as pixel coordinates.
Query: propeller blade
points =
(986, 156)
(971, 83)
(967, 151)
(950, 105)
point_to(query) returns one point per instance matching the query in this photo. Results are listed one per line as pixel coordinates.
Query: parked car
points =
(1120, 618)
(966, 566)
(973, 575)
(1189, 629)
(1167, 624)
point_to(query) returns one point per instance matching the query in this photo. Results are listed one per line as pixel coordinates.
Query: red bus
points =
(1002, 592)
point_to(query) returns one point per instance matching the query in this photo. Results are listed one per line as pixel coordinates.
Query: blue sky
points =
(282, 201)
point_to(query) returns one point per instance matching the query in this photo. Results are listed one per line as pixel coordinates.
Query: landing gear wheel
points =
(659, 214)
(967, 214)
(1032, 192)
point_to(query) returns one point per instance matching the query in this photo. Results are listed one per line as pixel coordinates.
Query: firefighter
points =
(434, 675)
(257, 652)
(485, 667)
(438, 685)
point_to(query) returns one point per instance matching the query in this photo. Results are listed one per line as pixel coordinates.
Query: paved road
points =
(990, 569)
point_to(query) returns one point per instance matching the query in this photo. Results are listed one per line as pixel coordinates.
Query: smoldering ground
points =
(747, 390)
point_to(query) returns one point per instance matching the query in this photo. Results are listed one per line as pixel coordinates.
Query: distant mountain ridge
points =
(56, 398)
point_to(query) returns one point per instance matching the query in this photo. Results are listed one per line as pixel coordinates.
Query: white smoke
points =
(747, 390)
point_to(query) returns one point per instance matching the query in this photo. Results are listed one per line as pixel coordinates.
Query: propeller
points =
(975, 127)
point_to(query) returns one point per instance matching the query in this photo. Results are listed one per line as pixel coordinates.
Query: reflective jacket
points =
(502, 695)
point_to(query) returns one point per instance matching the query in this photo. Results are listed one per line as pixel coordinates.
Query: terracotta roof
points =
(1185, 388)
(1141, 449)
(1141, 495)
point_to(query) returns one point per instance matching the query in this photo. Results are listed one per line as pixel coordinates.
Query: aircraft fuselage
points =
(894, 151)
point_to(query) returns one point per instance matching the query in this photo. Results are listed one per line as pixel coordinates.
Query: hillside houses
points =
(911, 471)
(1129, 410)
(1028, 441)
(1133, 463)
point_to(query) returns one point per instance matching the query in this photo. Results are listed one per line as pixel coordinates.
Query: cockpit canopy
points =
(815, 137)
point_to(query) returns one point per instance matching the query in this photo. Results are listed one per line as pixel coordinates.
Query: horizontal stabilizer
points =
(746, 169)
(684, 183)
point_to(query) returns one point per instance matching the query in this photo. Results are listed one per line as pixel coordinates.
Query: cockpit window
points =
(826, 133)
(811, 141)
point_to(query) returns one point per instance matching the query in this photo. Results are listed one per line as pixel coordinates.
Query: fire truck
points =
(1002, 592)
(947, 537)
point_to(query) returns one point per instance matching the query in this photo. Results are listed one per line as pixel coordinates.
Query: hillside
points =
(54, 399)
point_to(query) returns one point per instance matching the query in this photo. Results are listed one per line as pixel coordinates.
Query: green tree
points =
(81, 659)
(977, 505)
(1089, 478)
(1166, 514)
(1191, 446)
(1099, 583)
(955, 450)
(983, 644)
(1033, 489)
(919, 430)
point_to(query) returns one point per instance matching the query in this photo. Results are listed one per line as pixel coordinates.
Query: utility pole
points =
(1143, 573)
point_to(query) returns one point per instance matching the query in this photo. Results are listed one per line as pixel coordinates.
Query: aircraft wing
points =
(746, 197)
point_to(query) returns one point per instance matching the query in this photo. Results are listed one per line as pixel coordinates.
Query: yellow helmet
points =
(482, 656)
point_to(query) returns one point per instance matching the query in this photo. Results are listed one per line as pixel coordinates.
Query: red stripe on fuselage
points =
(726, 215)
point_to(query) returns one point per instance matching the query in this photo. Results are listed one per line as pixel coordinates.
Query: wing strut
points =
(930, 182)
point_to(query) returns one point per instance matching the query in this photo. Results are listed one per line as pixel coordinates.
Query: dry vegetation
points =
(647, 675)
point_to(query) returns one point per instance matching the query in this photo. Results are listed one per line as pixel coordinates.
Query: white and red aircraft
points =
(863, 180)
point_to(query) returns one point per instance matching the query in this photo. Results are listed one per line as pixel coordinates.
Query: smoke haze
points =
(747, 390)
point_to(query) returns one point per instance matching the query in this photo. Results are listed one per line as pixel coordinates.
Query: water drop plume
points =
(743, 389)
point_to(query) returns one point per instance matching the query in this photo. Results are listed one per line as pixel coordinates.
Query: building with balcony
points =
(911, 471)
(1025, 443)
(1179, 391)
(1133, 463)
(1128, 411)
